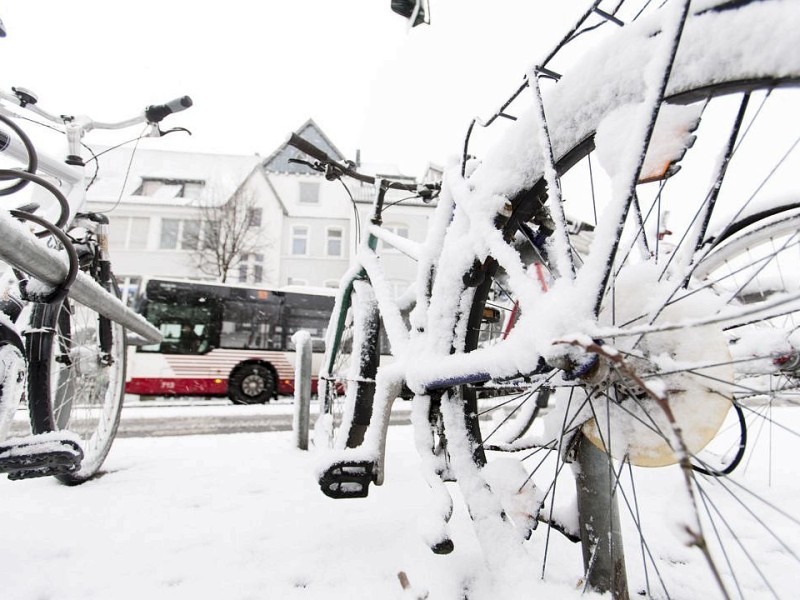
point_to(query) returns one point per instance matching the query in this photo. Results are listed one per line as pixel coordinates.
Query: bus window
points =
(185, 329)
(250, 325)
(309, 313)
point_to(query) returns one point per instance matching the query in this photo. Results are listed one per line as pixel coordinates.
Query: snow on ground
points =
(233, 516)
(240, 517)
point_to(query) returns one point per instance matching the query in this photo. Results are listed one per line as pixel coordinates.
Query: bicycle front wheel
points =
(76, 378)
(347, 387)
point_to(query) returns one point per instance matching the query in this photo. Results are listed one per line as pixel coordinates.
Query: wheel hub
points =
(630, 423)
(253, 385)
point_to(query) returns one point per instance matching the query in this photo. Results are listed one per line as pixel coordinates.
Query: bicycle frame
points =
(372, 419)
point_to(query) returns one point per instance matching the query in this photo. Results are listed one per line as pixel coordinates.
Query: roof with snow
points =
(219, 175)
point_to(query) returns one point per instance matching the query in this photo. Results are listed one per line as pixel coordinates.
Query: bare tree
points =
(228, 234)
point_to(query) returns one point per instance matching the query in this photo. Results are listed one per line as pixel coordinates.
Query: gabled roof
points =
(278, 161)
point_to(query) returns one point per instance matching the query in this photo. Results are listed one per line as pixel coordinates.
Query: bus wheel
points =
(251, 384)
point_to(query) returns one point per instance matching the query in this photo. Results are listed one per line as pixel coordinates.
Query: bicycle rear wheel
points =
(650, 283)
(76, 378)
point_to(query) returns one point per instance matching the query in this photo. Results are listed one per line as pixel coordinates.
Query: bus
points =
(221, 339)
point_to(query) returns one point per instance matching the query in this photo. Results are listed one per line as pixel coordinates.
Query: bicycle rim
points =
(73, 384)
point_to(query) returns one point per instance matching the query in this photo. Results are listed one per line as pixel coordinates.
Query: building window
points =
(192, 189)
(333, 243)
(156, 187)
(295, 281)
(309, 192)
(129, 233)
(169, 234)
(300, 240)
(129, 287)
(177, 234)
(397, 229)
(254, 217)
(190, 235)
(251, 268)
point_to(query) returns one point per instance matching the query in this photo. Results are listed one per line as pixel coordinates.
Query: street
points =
(197, 416)
(214, 416)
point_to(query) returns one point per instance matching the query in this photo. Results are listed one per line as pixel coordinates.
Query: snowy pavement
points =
(240, 517)
(234, 516)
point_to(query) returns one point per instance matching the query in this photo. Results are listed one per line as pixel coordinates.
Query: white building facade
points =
(309, 229)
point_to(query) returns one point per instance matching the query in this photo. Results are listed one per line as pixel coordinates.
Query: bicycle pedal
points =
(446, 546)
(348, 479)
(25, 458)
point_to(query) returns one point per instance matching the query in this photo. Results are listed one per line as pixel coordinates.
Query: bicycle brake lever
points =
(316, 166)
(162, 133)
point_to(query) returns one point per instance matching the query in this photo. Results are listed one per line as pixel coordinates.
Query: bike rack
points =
(20, 248)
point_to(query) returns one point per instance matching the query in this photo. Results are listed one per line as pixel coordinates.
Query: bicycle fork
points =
(98, 258)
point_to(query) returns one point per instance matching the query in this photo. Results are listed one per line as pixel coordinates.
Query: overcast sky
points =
(259, 69)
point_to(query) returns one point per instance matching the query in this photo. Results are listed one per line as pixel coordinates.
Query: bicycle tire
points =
(73, 384)
(347, 386)
(574, 143)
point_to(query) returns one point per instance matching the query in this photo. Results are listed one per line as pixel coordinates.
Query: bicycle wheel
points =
(76, 379)
(756, 265)
(347, 385)
(667, 331)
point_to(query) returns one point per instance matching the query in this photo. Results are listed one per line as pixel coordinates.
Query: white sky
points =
(258, 70)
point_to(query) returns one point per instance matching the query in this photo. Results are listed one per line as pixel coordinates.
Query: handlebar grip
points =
(157, 112)
(305, 146)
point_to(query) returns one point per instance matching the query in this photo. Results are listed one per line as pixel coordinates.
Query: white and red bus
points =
(224, 339)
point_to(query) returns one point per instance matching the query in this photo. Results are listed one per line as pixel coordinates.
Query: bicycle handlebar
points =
(76, 126)
(152, 114)
(157, 112)
(337, 169)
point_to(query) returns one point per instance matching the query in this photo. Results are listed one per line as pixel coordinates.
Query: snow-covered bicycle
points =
(63, 326)
(661, 364)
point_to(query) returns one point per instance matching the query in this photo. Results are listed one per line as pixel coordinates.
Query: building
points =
(158, 201)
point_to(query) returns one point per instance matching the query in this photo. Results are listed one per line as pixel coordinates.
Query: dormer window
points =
(155, 187)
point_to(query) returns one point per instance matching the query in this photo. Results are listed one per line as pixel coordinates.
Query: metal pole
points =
(598, 517)
(18, 247)
(302, 388)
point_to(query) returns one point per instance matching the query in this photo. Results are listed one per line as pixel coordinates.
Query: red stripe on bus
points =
(147, 386)
(167, 386)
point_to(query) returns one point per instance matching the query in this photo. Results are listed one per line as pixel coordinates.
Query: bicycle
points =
(61, 298)
(644, 358)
